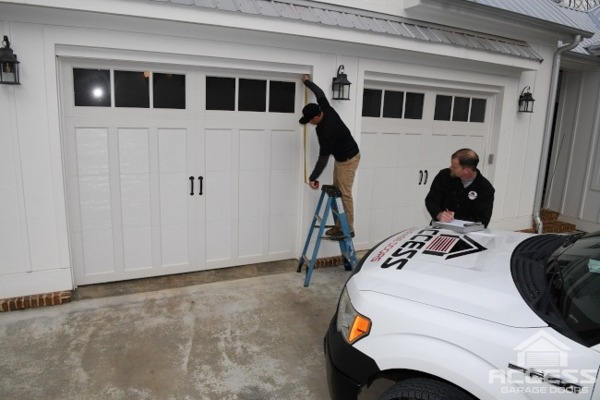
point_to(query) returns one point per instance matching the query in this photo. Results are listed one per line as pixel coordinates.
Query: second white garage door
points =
(408, 134)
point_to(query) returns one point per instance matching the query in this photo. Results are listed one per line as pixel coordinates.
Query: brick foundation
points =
(33, 301)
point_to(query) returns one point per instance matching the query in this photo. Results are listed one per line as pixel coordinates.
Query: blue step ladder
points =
(333, 204)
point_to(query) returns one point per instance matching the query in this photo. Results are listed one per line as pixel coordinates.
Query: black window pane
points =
(478, 110)
(443, 105)
(253, 95)
(168, 90)
(92, 87)
(414, 105)
(220, 93)
(132, 89)
(392, 104)
(371, 103)
(282, 96)
(461, 109)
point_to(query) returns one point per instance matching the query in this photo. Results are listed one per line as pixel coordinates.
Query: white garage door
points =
(408, 134)
(174, 170)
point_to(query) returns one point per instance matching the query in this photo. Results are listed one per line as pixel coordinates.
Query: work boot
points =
(333, 231)
(339, 235)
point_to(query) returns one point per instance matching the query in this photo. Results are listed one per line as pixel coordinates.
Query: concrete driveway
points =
(255, 338)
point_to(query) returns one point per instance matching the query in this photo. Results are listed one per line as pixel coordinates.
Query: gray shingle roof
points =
(350, 18)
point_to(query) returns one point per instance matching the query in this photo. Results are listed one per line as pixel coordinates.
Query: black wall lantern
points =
(9, 66)
(526, 101)
(341, 85)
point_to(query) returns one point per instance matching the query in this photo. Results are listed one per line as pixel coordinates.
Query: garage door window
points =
(459, 109)
(252, 95)
(168, 90)
(132, 89)
(93, 87)
(396, 104)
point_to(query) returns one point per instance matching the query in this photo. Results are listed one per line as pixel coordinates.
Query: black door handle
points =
(420, 176)
(191, 185)
(201, 179)
(426, 177)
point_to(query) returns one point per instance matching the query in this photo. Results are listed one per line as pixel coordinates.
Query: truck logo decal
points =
(428, 241)
(453, 246)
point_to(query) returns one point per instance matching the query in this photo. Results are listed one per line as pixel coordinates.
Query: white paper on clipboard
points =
(459, 225)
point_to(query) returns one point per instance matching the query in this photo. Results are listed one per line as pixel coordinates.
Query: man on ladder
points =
(334, 139)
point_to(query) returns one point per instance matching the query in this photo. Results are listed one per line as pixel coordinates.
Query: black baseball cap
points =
(309, 111)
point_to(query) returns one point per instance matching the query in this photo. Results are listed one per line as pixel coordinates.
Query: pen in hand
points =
(446, 216)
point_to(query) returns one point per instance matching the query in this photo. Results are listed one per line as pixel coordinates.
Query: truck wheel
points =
(424, 389)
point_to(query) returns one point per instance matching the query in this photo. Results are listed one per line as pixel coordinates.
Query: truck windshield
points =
(573, 284)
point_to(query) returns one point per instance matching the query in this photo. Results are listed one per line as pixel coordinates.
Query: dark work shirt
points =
(473, 203)
(333, 135)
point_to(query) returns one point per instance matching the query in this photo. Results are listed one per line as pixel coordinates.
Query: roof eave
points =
(513, 16)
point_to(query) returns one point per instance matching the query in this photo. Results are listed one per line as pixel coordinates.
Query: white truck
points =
(463, 316)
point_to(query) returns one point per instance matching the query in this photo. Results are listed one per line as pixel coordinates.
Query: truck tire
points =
(424, 389)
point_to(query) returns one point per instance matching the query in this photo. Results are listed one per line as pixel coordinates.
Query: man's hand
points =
(314, 184)
(445, 216)
(305, 77)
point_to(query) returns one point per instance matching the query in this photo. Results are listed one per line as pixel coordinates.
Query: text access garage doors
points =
(408, 134)
(174, 170)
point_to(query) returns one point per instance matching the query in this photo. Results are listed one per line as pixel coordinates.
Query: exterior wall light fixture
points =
(9, 66)
(526, 100)
(341, 85)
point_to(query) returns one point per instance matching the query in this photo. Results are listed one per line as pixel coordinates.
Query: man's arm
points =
(435, 197)
(485, 207)
(319, 94)
(319, 167)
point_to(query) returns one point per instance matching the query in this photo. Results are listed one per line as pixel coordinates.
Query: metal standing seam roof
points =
(549, 10)
(545, 10)
(350, 18)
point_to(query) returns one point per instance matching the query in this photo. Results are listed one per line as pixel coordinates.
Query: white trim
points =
(36, 282)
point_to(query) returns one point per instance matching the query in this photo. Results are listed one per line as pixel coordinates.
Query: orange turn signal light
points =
(360, 327)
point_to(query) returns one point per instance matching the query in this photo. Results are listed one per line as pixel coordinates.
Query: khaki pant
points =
(343, 178)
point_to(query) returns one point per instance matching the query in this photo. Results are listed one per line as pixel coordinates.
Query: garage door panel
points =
(220, 142)
(174, 246)
(384, 179)
(390, 146)
(92, 150)
(218, 187)
(135, 200)
(98, 252)
(282, 235)
(364, 179)
(95, 204)
(172, 150)
(409, 152)
(285, 154)
(369, 150)
(218, 242)
(253, 149)
(251, 236)
(137, 248)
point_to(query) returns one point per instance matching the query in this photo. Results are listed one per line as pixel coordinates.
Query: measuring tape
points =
(305, 137)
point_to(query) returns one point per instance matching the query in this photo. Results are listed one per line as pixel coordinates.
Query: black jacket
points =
(473, 203)
(333, 135)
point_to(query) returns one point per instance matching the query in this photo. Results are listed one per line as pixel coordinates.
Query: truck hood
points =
(464, 273)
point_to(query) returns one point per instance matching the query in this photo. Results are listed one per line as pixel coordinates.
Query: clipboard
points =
(459, 225)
